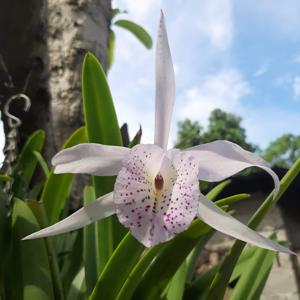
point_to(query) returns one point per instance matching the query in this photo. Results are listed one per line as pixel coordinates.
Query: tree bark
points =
(23, 50)
(43, 43)
(74, 27)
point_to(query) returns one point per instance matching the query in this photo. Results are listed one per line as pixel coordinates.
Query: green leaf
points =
(100, 116)
(111, 47)
(117, 11)
(26, 163)
(30, 258)
(255, 274)
(138, 31)
(5, 178)
(72, 260)
(220, 282)
(232, 199)
(90, 252)
(214, 193)
(136, 273)
(4, 239)
(242, 263)
(170, 257)
(42, 163)
(102, 127)
(77, 290)
(199, 287)
(117, 269)
(177, 284)
(58, 186)
(38, 210)
(137, 138)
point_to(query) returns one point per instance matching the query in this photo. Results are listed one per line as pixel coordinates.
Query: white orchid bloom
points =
(156, 194)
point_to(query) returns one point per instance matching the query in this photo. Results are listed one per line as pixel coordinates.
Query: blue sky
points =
(240, 57)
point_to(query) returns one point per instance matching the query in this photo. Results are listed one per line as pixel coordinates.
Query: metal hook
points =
(14, 121)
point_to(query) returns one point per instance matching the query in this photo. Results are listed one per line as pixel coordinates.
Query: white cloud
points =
(215, 21)
(205, 26)
(297, 59)
(261, 70)
(296, 87)
(223, 90)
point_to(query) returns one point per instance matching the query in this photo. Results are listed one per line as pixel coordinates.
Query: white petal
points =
(165, 87)
(215, 217)
(221, 159)
(94, 159)
(156, 216)
(101, 208)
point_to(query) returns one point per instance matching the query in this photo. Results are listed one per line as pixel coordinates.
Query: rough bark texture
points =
(74, 27)
(47, 40)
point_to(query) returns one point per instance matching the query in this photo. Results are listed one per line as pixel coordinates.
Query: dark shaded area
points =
(23, 50)
(260, 182)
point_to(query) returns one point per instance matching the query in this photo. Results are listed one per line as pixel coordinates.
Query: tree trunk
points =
(43, 43)
(74, 27)
(23, 50)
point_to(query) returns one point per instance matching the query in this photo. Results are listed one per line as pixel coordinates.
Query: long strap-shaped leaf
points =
(38, 210)
(252, 281)
(222, 278)
(117, 269)
(31, 268)
(58, 186)
(102, 127)
(89, 245)
(27, 162)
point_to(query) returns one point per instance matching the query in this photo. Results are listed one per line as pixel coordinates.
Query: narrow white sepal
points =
(94, 159)
(99, 209)
(218, 219)
(221, 159)
(165, 87)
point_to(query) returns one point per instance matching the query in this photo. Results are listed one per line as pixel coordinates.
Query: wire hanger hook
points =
(14, 121)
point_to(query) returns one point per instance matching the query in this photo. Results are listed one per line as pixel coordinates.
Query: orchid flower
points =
(156, 194)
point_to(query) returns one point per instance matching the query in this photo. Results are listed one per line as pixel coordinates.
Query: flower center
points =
(159, 182)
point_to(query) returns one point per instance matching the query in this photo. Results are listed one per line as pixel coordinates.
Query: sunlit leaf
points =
(42, 163)
(77, 290)
(38, 210)
(102, 127)
(5, 178)
(138, 31)
(254, 277)
(117, 269)
(90, 246)
(26, 163)
(58, 186)
(111, 47)
(30, 258)
(137, 138)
